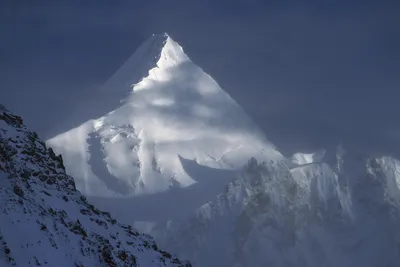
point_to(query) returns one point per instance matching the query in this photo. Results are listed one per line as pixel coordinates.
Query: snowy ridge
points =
(158, 50)
(45, 221)
(307, 158)
(174, 111)
(313, 215)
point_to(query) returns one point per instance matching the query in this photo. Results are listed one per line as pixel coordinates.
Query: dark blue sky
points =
(310, 73)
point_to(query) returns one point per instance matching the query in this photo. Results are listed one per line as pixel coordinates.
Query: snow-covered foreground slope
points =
(173, 122)
(342, 213)
(45, 221)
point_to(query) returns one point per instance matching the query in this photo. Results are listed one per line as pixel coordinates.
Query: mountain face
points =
(343, 210)
(174, 129)
(165, 151)
(45, 221)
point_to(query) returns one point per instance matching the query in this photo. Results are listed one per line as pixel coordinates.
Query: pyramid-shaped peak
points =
(161, 35)
(160, 50)
(166, 110)
(162, 43)
(168, 51)
(156, 40)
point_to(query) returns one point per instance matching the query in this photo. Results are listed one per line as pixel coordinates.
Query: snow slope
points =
(342, 213)
(45, 221)
(171, 112)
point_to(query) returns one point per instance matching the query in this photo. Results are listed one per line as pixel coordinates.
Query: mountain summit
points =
(172, 119)
(158, 51)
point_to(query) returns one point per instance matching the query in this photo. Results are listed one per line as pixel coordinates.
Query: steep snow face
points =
(45, 221)
(173, 112)
(311, 215)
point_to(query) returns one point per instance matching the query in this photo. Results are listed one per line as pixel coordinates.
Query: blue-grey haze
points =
(310, 73)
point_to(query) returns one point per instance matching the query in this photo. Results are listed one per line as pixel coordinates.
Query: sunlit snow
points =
(174, 113)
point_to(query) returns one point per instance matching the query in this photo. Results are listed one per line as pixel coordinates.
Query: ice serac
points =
(173, 119)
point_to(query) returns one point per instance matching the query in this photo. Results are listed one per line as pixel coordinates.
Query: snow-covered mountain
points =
(343, 210)
(168, 156)
(175, 130)
(45, 221)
